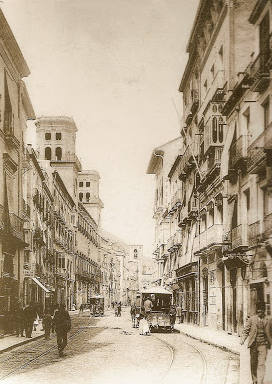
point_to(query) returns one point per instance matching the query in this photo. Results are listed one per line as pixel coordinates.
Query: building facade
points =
(217, 248)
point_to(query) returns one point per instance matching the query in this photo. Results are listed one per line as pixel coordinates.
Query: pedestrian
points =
(47, 324)
(53, 314)
(148, 305)
(172, 316)
(259, 332)
(29, 316)
(19, 319)
(179, 315)
(119, 309)
(62, 323)
(133, 315)
(143, 325)
(36, 323)
(80, 309)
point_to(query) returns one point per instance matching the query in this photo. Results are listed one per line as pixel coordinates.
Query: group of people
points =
(59, 322)
(26, 319)
(117, 308)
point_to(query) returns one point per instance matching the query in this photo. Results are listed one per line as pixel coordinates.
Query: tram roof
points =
(159, 290)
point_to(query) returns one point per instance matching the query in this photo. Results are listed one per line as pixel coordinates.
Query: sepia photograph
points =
(135, 191)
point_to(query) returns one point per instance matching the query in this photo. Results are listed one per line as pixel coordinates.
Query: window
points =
(265, 106)
(47, 135)
(81, 183)
(58, 135)
(221, 53)
(135, 253)
(58, 153)
(47, 153)
(220, 130)
(205, 86)
(264, 37)
(88, 196)
(61, 262)
(212, 71)
(88, 183)
(247, 196)
(214, 129)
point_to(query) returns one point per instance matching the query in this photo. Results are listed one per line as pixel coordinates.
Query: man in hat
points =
(259, 333)
(62, 323)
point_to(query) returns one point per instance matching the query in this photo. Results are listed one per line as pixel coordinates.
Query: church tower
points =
(88, 188)
(56, 142)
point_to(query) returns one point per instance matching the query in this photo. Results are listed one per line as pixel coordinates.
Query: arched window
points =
(214, 129)
(88, 196)
(80, 196)
(58, 153)
(47, 153)
(135, 253)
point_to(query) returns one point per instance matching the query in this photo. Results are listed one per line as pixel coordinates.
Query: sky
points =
(115, 67)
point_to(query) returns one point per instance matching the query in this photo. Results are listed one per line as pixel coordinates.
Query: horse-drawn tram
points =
(157, 312)
(97, 305)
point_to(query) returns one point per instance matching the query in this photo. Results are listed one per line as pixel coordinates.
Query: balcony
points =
(17, 227)
(61, 273)
(177, 198)
(210, 169)
(209, 240)
(216, 91)
(237, 240)
(238, 153)
(254, 234)
(256, 151)
(259, 71)
(186, 163)
(267, 226)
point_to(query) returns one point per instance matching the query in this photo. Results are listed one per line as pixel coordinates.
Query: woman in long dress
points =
(143, 326)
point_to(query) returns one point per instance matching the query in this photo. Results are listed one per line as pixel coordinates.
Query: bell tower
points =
(56, 142)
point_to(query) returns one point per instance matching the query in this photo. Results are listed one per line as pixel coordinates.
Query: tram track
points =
(203, 376)
(37, 357)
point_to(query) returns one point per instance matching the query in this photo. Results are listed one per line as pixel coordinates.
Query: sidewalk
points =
(230, 343)
(9, 342)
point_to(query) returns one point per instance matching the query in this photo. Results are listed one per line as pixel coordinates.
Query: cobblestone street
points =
(104, 349)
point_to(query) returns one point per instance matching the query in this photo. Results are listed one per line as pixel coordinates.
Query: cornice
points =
(26, 101)
(257, 10)
(12, 46)
(43, 122)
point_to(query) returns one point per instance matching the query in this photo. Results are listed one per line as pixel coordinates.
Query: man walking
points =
(259, 333)
(62, 323)
(29, 317)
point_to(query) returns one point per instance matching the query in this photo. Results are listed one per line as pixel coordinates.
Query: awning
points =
(40, 284)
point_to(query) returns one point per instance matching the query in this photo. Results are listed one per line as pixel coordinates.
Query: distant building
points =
(88, 189)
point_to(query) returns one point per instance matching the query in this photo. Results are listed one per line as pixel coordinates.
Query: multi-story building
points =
(218, 244)
(248, 169)
(88, 265)
(160, 164)
(15, 109)
(39, 260)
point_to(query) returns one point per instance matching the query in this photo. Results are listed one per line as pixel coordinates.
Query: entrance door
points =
(256, 295)
(223, 299)
(205, 296)
(233, 280)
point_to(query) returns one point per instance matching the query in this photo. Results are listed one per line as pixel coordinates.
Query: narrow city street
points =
(104, 349)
